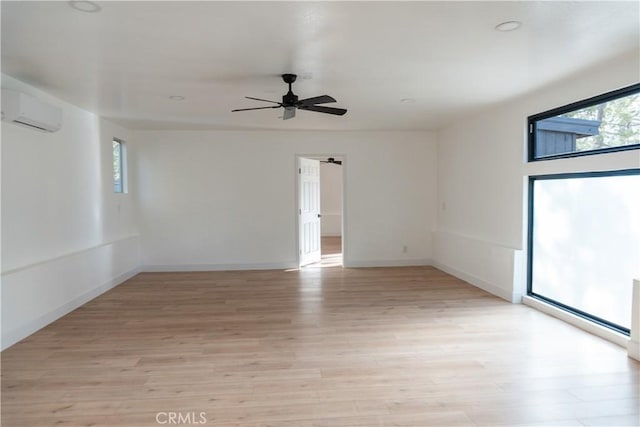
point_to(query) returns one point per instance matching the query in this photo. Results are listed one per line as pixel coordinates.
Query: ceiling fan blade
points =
(327, 110)
(263, 100)
(323, 99)
(257, 108)
(289, 113)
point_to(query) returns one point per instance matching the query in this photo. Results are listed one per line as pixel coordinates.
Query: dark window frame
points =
(579, 105)
(530, 254)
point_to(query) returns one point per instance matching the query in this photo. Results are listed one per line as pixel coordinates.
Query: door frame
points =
(296, 193)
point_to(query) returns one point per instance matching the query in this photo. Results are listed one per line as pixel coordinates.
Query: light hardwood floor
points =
(317, 347)
(331, 245)
(331, 253)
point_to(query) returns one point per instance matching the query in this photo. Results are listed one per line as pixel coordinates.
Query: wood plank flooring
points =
(316, 347)
(331, 250)
(331, 245)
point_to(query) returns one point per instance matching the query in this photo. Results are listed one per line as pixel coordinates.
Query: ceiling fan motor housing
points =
(289, 99)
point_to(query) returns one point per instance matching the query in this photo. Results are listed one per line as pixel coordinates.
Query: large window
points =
(584, 243)
(119, 163)
(584, 228)
(609, 122)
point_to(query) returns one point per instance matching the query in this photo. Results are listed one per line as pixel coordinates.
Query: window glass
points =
(585, 243)
(118, 170)
(588, 126)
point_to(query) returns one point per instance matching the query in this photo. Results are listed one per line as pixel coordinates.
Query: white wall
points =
(224, 200)
(66, 237)
(331, 199)
(482, 179)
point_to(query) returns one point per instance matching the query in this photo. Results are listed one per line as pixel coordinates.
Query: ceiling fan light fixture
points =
(507, 26)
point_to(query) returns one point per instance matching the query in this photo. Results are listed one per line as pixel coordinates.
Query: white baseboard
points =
(275, 266)
(18, 334)
(218, 267)
(584, 324)
(514, 298)
(490, 266)
(389, 263)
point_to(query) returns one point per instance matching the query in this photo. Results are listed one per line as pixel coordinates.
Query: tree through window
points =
(609, 122)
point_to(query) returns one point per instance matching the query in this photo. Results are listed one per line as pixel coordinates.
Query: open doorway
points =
(320, 210)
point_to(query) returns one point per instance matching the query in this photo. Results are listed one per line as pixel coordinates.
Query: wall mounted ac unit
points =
(25, 110)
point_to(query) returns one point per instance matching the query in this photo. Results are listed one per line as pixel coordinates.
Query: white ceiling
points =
(125, 61)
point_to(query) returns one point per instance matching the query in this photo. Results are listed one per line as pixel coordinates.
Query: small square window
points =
(119, 172)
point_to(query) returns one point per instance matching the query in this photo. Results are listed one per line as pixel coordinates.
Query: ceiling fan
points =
(290, 102)
(332, 161)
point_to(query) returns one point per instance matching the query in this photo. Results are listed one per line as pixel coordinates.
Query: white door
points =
(309, 210)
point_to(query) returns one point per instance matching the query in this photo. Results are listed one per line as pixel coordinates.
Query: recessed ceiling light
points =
(407, 100)
(85, 6)
(508, 26)
(176, 98)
